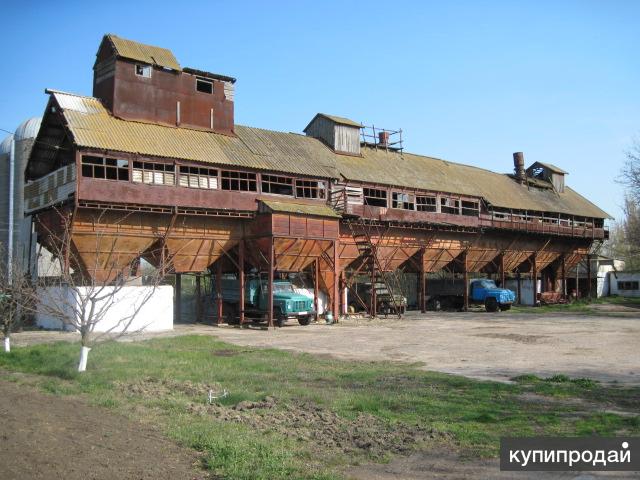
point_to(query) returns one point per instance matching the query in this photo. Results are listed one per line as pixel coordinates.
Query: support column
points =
(336, 281)
(241, 279)
(219, 290)
(589, 283)
(316, 280)
(563, 273)
(466, 284)
(374, 300)
(423, 287)
(198, 299)
(502, 276)
(519, 287)
(178, 306)
(270, 281)
(534, 276)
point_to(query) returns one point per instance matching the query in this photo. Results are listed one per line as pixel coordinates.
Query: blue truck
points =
(287, 304)
(444, 294)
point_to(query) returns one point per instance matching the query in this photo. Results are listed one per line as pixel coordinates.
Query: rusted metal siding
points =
(155, 99)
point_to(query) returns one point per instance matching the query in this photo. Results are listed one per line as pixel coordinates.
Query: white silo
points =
(14, 228)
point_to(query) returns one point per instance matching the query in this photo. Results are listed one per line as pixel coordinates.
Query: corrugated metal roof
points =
(143, 53)
(336, 119)
(416, 171)
(92, 126)
(301, 208)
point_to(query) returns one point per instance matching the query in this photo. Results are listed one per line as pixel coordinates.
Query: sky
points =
(467, 81)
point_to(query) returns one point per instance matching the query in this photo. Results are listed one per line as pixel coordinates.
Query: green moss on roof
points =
(301, 208)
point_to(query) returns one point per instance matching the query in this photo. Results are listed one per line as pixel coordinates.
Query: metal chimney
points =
(518, 164)
(383, 138)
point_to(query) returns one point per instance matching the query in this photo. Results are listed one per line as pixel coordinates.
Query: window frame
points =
(241, 177)
(198, 173)
(205, 82)
(307, 185)
(269, 180)
(106, 165)
(410, 200)
(166, 171)
(425, 204)
(367, 195)
(144, 68)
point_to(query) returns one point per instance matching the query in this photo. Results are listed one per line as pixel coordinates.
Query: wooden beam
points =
(466, 283)
(423, 287)
(534, 277)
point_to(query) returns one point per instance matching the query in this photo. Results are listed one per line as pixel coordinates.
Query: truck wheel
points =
(491, 304)
(304, 321)
(505, 306)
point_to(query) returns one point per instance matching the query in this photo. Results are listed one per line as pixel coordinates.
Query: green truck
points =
(287, 304)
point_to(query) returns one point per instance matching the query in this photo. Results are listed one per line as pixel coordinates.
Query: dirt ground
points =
(474, 344)
(47, 437)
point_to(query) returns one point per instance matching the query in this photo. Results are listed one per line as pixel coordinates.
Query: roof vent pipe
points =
(518, 164)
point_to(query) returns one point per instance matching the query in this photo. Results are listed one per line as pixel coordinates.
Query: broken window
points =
(204, 86)
(426, 203)
(105, 168)
(277, 185)
(403, 200)
(198, 177)
(154, 173)
(309, 189)
(239, 181)
(470, 208)
(375, 197)
(143, 70)
(450, 205)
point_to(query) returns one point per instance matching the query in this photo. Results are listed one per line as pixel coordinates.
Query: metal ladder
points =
(366, 250)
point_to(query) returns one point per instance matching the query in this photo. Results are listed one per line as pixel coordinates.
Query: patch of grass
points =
(143, 380)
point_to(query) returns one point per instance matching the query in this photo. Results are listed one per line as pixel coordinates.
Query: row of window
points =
(421, 203)
(202, 85)
(198, 177)
(561, 220)
(629, 285)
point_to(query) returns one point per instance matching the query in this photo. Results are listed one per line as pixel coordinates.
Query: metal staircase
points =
(363, 232)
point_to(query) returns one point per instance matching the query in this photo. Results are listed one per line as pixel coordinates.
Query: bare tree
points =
(102, 297)
(17, 298)
(630, 174)
(628, 241)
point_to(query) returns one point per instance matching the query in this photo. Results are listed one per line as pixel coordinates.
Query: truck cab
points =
(483, 290)
(286, 302)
